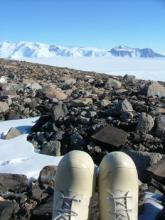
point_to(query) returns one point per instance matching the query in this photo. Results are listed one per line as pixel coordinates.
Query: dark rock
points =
(47, 176)
(161, 215)
(160, 126)
(13, 182)
(126, 116)
(40, 122)
(158, 171)
(143, 160)
(52, 148)
(43, 211)
(37, 193)
(111, 136)
(77, 142)
(59, 111)
(8, 209)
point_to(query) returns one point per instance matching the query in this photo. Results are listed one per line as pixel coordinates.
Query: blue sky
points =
(96, 23)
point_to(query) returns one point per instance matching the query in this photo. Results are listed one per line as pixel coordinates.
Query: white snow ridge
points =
(25, 49)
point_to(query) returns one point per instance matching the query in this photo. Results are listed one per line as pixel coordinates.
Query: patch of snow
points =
(17, 155)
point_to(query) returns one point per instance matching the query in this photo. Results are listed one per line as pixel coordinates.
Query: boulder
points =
(125, 106)
(54, 92)
(160, 126)
(158, 171)
(13, 182)
(4, 107)
(8, 209)
(144, 160)
(47, 176)
(154, 89)
(69, 81)
(129, 78)
(58, 111)
(113, 83)
(33, 85)
(146, 123)
(52, 148)
(110, 136)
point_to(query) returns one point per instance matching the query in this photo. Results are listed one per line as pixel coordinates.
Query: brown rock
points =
(82, 102)
(12, 133)
(54, 92)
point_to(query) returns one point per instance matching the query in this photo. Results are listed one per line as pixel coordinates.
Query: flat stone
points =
(12, 133)
(81, 102)
(111, 136)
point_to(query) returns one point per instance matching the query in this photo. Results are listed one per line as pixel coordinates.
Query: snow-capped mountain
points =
(24, 49)
(123, 51)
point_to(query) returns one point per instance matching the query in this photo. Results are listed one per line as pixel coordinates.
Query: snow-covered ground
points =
(143, 68)
(17, 155)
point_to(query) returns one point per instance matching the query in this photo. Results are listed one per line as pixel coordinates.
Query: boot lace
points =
(121, 210)
(65, 212)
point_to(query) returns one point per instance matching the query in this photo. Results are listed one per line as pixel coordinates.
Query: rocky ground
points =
(80, 110)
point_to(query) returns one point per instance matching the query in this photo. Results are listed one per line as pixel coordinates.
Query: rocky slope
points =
(88, 111)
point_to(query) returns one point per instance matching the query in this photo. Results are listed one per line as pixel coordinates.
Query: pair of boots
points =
(75, 185)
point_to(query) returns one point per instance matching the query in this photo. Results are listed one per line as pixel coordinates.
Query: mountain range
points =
(25, 49)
